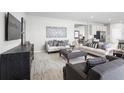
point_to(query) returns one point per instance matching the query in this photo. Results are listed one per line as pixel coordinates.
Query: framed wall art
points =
(56, 32)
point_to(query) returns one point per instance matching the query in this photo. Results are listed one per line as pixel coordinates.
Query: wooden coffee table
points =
(69, 54)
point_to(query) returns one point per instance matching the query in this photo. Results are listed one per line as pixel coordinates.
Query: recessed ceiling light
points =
(91, 17)
(121, 21)
(109, 19)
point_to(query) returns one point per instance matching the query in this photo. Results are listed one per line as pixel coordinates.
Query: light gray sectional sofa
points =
(97, 51)
(56, 45)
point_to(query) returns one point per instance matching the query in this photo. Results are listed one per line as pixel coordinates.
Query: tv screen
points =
(13, 28)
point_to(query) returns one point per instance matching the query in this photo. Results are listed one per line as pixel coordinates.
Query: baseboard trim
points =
(36, 51)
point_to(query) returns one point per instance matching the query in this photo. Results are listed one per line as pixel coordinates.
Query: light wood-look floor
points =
(50, 66)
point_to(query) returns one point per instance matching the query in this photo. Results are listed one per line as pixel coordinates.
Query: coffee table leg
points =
(85, 58)
(67, 60)
(60, 54)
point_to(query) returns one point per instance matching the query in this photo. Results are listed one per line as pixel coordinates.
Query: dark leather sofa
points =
(112, 70)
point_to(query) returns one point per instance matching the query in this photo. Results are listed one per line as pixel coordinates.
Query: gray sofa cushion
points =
(113, 70)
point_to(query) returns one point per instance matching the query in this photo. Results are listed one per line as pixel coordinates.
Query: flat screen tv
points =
(12, 28)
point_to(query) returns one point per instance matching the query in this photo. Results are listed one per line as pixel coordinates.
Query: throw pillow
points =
(100, 45)
(50, 43)
(66, 42)
(96, 45)
(55, 42)
(90, 44)
(106, 46)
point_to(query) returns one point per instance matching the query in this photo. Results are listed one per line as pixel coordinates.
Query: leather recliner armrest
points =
(71, 73)
(111, 58)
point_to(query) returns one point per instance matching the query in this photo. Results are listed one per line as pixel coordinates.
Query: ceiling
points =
(99, 17)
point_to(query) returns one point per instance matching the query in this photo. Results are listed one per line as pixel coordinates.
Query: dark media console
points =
(15, 63)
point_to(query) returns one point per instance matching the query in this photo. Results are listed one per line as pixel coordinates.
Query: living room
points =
(61, 46)
(52, 32)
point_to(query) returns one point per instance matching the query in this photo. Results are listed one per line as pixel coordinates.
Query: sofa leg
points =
(85, 58)
(67, 60)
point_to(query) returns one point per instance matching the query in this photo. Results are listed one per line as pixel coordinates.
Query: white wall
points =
(6, 45)
(117, 32)
(36, 29)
